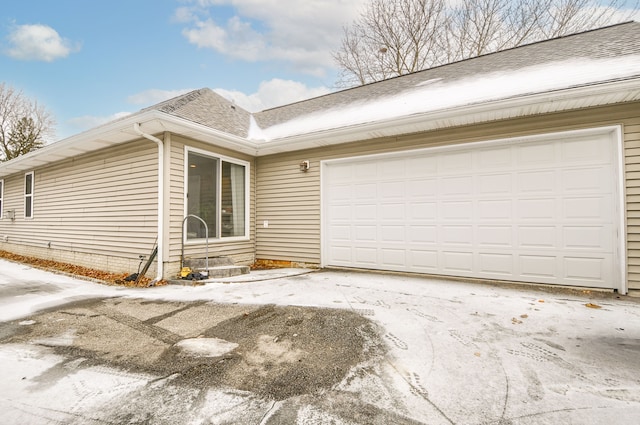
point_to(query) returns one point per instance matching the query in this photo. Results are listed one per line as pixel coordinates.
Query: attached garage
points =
(544, 209)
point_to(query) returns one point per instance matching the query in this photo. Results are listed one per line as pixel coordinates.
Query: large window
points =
(28, 195)
(217, 193)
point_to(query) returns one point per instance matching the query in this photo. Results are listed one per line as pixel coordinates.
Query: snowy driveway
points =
(458, 353)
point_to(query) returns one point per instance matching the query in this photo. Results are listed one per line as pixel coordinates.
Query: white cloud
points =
(40, 43)
(303, 33)
(273, 93)
(153, 96)
(88, 122)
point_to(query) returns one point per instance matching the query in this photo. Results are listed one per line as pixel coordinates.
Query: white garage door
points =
(539, 210)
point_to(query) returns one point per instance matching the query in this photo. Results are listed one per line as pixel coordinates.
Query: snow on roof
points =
(442, 94)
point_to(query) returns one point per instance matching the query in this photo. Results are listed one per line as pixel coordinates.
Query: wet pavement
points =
(411, 350)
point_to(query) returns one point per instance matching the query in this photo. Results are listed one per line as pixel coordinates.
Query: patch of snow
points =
(27, 322)
(439, 95)
(255, 132)
(428, 82)
(206, 347)
(63, 340)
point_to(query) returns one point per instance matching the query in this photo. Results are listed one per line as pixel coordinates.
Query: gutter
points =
(600, 94)
(160, 143)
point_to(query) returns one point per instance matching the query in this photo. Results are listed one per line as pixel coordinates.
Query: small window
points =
(28, 195)
(1, 198)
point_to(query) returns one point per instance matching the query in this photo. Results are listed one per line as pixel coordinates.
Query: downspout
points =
(160, 143)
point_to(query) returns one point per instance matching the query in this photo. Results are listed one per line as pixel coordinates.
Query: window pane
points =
(28, 181)
(233, 199)
(27, 206)
(202, 195)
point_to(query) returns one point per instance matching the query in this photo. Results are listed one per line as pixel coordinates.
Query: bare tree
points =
(24, 124)
(396, 37)
(391, 38)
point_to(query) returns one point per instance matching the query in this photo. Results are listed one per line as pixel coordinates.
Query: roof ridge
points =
(538, 42)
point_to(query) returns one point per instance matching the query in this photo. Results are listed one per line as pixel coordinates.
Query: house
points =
(522, 165)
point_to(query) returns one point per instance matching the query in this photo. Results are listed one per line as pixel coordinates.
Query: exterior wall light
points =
(304, 166)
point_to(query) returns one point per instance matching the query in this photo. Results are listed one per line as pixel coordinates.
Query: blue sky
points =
(91, 61)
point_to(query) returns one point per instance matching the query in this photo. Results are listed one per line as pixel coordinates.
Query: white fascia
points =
(554, 101)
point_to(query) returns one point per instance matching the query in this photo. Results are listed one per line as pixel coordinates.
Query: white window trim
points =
(247, 194)
(31, 195)
(1, 199)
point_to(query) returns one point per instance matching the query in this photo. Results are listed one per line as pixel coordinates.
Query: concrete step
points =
(226, 271)
(214, 273)
(201, 263)
(219, 267)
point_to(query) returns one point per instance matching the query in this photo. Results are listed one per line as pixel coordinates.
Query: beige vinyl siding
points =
(290, 199)
(102, 204)
(632, 175)
(242, 252)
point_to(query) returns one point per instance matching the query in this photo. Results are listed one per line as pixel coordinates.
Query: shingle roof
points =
(614, 41)
(208, 108)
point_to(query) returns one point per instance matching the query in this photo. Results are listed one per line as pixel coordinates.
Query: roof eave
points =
(601, 94)
(155, 122)
(121, 131)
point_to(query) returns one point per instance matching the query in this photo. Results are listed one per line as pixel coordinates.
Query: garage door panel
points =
(496, 264)
(366, 233)
(392, 168)
(366, 257)
(537, 182)
(495, 184)
(542, 211)
(422, 260)
(455, 186)
(391, 211)
(341, 255)
(588, 238)
(456, 210)
(455, 162)
(392, 233)
(423, 211)
(422, 188)
(456, 235)
(495, 209)
(422, 234)
(365, 171)
(457, 261)
(365, 191)
(538, 266)
(589, 270)
(489, 237)
(494, 158)
(341, 233)
(538, 237)
(590, 149)
(391, 190)
(393, 258)
(536, 154)
(586, 208)
(365, 212)
(340, 212)
(341, 193)
(421, 166)
(593, 179)
(537, 209)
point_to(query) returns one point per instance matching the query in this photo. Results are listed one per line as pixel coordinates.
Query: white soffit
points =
(155, 122)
